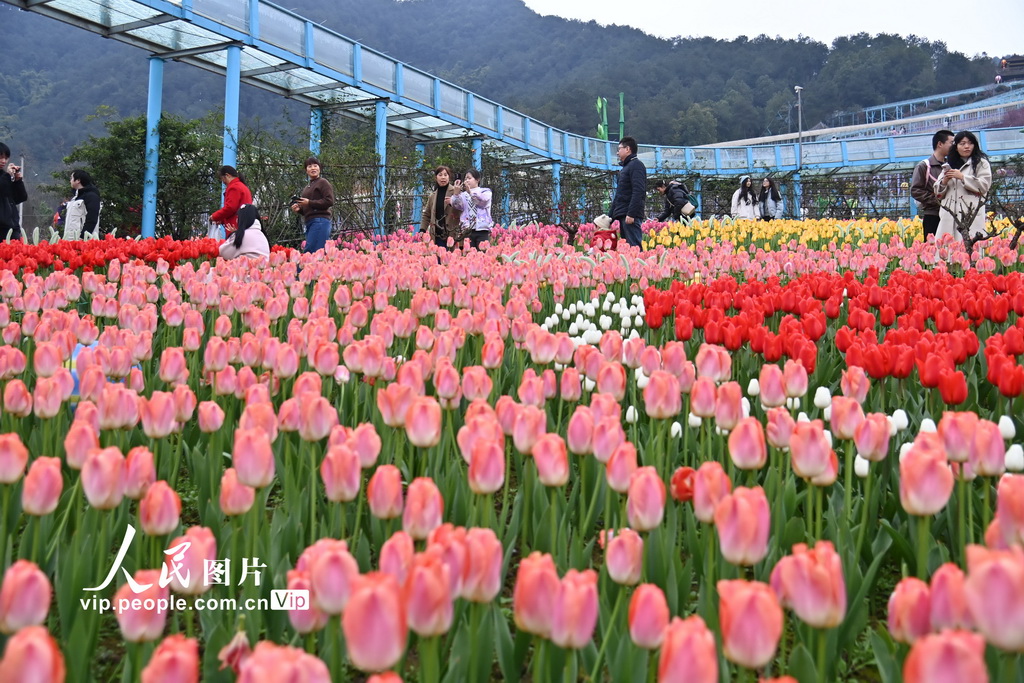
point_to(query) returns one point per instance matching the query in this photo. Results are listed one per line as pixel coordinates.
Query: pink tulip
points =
(175, 660)
(949, 608)
(729, 405)
(580, 431)
(159, 509)
(574, 613)
(482, 578)
(140, 472)
(42, 488)
(427, 595)
(926, 481)
(384, 492)
(624, 557)
(536, 590)
(710, 485)
(663, 397)
(253, 458)
(810, 582)
(341, 473)
(396, 555)
(743, 521)
(235, 498)
(13, 458)
(809, 449)
(25, 597)
(947, 657)
(142, 624)
(103, 478)
(645, 502)
(487, 468)
(190, 553)
(750, 620)
(374, 623)
(688, 653)
(747, 446)
(552, 460)
(424, 508)
(872, 437)
(909, 610)
(772, 392)
(995, 595)
(269, 662)
(32, 655)
(648, 616)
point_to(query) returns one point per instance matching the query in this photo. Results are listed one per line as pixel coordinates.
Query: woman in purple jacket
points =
(475, 204)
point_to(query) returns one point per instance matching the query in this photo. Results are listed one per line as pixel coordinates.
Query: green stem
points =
(848, 479)
(430, 660)
(986, 511)
(923, 536)
(822, 651)
(554, 520)
(862, 532)
(961, 503)
(607, 635)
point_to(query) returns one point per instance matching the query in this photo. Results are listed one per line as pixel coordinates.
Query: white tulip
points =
(693, 420)
(676, 430)
(822, 398)
(901, 419)
(904, 449)
(753, 388)
(1015, 458)
(642, 381)
(631, 415)
(827, 413)
(861, 467)
(1006, 428)
(588, 384)
(573, 330)
(802, 417)
(928, 425)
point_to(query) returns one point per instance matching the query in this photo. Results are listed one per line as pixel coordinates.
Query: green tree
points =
(189, 154)
(697, 125)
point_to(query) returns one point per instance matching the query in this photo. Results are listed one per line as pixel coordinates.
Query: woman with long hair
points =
(769, 201)
(963, 185)
(236, 193)
(475, 204)
(744, 199)
(440, 218)
(82, 214)
(314, 205)
(248, 239)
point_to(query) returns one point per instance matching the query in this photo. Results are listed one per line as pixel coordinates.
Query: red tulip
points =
(688, 653)
(648, 616)
(952, 387)
(750, 620)
(682, 484)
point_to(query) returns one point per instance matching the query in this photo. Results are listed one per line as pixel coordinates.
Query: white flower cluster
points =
(586, 321)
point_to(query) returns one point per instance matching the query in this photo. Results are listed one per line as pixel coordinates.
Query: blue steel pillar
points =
(316, 126)
(381, 139)
(153, 107)
(506, 198)
(478, 154)
(698, 186)
(417, 200)
(232, 81)
(556, 190)
(798, 197)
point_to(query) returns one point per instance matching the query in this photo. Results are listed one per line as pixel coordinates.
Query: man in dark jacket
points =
(922, 184)
(12, 193)
(630, 193)
(676, 198)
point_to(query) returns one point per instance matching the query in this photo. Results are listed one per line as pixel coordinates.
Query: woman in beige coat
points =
(962, 185)
(440, 218)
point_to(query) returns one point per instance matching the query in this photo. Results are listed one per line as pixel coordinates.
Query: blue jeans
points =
(317, 232)
(630, 232)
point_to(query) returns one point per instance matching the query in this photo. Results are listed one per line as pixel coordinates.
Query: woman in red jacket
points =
(235, 194)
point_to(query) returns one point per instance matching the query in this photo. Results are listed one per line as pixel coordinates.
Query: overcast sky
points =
(992, 26)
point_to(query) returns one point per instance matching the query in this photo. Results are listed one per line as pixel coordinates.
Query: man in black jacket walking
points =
(676, 198)
(12, 193)
(630, 193)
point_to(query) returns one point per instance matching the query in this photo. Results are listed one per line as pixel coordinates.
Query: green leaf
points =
(885, 657)
(510, 670)
(902, 546)
(801, 665)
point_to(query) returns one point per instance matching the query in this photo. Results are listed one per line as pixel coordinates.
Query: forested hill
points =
(682, 91)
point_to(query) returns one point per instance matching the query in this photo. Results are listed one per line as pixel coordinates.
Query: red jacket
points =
(235, 194)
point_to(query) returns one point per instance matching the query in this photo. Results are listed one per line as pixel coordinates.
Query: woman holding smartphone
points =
(962, 185)
(475, 204)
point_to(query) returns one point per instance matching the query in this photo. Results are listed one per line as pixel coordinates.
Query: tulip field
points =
(780, 451)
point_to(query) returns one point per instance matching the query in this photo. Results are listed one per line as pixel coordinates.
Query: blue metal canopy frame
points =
(258, 43)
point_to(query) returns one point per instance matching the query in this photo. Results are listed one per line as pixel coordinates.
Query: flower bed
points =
(696, 463)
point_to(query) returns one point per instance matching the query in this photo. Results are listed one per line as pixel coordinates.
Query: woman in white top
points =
(248, 239)
(744, 200)
(962, 185)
